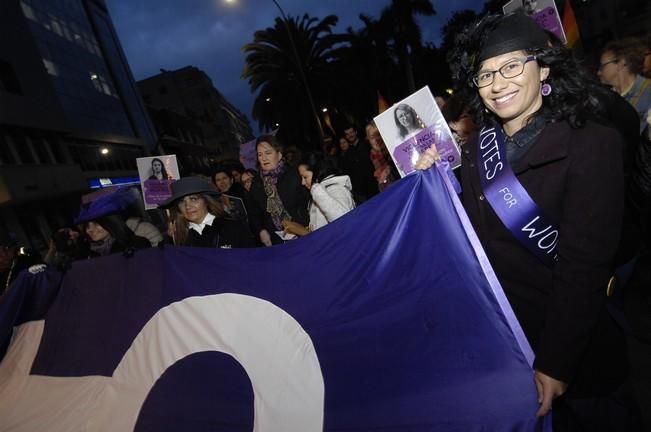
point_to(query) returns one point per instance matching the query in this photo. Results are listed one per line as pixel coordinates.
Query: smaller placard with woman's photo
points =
(156, 175)
(411, 126)
(234, 208)
(544, 12)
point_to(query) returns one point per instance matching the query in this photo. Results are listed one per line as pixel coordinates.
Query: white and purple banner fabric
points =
(388, 319)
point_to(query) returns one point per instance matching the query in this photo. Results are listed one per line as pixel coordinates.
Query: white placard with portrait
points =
(411, 126)
(156, 176)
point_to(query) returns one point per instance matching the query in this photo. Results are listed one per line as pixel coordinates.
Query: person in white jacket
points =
(330, 190)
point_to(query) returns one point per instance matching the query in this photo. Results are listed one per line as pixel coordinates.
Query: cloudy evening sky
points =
(209, 34)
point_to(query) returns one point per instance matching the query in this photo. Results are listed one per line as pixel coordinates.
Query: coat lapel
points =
(551, 145)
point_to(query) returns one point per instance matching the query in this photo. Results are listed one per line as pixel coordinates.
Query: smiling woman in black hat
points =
(543, 188)
(197, 217)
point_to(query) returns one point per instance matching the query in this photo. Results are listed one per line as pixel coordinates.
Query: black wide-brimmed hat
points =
(514, 32)
(189, 186)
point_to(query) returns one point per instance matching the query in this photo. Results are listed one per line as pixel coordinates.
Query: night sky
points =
(209, 34)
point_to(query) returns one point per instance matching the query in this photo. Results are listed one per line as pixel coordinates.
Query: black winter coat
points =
(222, 233)
(576, 177)
(294, 196)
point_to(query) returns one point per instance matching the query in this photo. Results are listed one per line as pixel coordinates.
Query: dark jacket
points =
(293, 194)
(130, 243)
(356, 163)
(222, 233)
(575, 176)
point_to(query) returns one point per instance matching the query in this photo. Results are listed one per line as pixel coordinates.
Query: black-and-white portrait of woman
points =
(407, 121)
(158, 171)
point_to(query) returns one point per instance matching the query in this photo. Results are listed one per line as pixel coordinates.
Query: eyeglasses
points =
(511, 69)
(601, 65)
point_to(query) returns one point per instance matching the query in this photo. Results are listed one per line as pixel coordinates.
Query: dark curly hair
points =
(575, 92)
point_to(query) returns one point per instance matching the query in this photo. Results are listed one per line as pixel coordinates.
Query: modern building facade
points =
(190, 92)
(70, 112)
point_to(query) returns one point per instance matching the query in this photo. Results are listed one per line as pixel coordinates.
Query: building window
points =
(6, 155)
(23, 149)
(51, 67)
(8, 79)
(100, 84)
(41, 148)
(28, 11)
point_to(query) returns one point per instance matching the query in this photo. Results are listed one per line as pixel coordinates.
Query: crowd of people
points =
(574, 144)
(290, 194)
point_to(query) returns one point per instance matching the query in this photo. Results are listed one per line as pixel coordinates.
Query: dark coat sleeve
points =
(294, 196)
(257, 204)
(589, 230)
(292, 193)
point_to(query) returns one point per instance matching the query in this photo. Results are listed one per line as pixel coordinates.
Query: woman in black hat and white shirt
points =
(197, 217)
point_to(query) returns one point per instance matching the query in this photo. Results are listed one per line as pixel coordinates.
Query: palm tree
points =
(399, 18)
(365, 65)
(287, 65)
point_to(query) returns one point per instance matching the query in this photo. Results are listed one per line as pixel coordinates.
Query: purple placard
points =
(248, 158)
(407, 153)
(549, 20)
(156, 191)
(156, 175)
(544, 12)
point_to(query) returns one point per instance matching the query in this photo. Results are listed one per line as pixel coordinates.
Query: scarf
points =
(102, 247)
(275, 205)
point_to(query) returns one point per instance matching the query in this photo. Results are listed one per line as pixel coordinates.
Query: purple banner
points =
(510, 200)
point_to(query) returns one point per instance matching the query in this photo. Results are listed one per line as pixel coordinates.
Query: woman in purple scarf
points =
(277, 194)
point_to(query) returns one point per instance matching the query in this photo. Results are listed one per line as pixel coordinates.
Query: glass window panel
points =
(28, 11)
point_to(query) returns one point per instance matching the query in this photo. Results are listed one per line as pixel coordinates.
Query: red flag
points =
(570, 25)
(382, 104)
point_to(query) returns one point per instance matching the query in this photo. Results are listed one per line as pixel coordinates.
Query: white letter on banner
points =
(272, 347)
(532, 233)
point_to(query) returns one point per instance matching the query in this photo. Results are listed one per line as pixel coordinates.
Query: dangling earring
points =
(546, 89)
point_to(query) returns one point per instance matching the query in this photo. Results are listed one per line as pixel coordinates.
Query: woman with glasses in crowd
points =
(621, 67)
(544, 190)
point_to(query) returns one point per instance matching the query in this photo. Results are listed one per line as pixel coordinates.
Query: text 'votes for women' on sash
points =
(510, 200)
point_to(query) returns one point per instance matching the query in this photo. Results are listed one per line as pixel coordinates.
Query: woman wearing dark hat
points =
(105, 230)
(196, 217)
(544, 190)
